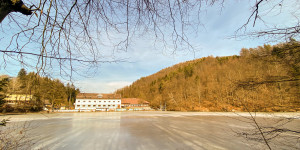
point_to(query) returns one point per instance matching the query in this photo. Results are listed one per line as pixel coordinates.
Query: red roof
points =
(133, 101)
(97, 96)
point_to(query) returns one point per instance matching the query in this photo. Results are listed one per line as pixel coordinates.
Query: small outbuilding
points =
(135, 104)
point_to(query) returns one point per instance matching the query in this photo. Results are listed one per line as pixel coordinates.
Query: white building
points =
(97, 102)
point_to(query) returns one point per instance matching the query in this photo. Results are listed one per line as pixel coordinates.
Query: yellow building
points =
(15, 99)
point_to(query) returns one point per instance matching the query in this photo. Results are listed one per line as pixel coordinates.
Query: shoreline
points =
(67, 115)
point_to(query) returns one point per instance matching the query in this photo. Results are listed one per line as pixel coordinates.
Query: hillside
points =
(41, 88)
(265, 78)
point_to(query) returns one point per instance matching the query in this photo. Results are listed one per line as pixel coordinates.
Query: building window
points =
(99, 105)
(83, 105)
(114, 105)
(89, 105)
(78, 101)
(108, 105)
(94, 105)
(83, 101)
(78, 105)
(119, 101)
(113, 101)
(95, 101)
(104, 105)
(89, 101)
(104, 101)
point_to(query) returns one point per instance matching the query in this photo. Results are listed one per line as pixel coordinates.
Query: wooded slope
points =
(41, 88)
(265, 78)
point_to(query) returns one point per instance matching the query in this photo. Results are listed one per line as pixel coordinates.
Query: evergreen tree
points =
(22, 78)
(3, 86)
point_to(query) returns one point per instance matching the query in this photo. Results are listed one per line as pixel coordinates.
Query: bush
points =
(6, 108)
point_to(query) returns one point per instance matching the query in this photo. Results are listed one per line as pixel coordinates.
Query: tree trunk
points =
(8, 6)
(4, 9)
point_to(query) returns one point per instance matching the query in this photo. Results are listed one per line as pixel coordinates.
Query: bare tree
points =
(64, 33)
(263, 8)
(15, 135)
(275, 131)
(50, 33)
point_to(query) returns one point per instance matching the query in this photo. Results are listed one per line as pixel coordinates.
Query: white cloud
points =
(118, 84)
(101, 86)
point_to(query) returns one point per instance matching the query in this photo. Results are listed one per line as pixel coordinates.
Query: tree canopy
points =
(265, 78)
(41, 88)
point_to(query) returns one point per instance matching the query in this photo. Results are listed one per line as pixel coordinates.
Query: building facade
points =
(97, 102)
(18, 99)
(135, 104)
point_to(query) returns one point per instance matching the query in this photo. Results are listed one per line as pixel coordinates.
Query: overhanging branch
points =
(61, 58)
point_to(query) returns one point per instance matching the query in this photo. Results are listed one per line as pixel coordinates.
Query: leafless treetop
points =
(69, 33)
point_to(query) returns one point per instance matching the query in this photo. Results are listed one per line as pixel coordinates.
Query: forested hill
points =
(41, 88)
(265, 78)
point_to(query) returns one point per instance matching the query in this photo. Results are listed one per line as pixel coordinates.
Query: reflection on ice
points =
(144, 130)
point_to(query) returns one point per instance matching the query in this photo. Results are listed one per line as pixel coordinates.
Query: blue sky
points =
(143, 59)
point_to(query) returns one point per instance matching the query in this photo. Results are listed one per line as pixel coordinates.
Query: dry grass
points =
(14, 136)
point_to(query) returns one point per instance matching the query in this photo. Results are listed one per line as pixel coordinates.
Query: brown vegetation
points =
(15, 136)
(265, 78)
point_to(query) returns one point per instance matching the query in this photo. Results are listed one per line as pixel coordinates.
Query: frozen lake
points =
(154, 130)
